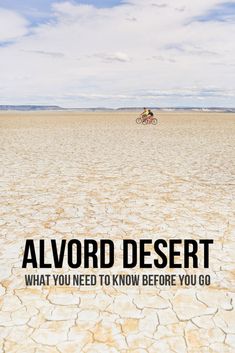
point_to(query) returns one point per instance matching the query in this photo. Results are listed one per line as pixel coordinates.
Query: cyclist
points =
(147, 114)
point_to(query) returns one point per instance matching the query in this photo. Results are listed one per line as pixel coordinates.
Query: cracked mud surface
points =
(67, 175)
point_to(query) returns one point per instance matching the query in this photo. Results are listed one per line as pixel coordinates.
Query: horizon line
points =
(55, 106)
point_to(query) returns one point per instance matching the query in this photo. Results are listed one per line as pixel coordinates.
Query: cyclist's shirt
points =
(146, 113)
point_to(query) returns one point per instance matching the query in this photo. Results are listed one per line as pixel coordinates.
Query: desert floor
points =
(100, 175)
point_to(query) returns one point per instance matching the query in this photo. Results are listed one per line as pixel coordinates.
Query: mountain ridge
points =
(29, 107)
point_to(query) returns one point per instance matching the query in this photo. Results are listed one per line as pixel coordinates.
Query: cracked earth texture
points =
(69, 175)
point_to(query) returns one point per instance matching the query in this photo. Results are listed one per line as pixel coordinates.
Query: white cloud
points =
(112, 57)
(84, 54)
(12, 25)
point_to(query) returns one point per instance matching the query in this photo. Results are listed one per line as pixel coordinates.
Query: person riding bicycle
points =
(147, 113)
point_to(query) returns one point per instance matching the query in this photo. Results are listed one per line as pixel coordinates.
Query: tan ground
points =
(66, 175)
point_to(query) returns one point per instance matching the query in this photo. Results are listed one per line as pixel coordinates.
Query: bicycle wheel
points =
(154, 121)
(139, 120)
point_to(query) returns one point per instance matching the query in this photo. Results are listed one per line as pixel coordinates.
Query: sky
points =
(100, 53)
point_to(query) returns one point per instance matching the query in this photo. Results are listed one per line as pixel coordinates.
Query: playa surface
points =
(100, 175)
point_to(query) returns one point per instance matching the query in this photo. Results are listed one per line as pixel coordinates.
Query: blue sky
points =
(39, 11)
(118, 53)
(44, 5)
(224, 12)
(40, 8)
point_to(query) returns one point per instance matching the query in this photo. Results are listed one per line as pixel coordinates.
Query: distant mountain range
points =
(169, 109)
(30, 107)
(57, 108)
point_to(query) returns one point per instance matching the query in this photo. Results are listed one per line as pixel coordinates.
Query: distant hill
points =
(124, 109)
(169, 109)
(30, 107)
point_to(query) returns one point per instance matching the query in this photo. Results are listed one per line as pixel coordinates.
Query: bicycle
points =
(149, 120)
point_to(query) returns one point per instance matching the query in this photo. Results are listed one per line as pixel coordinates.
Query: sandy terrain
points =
(69, 175)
